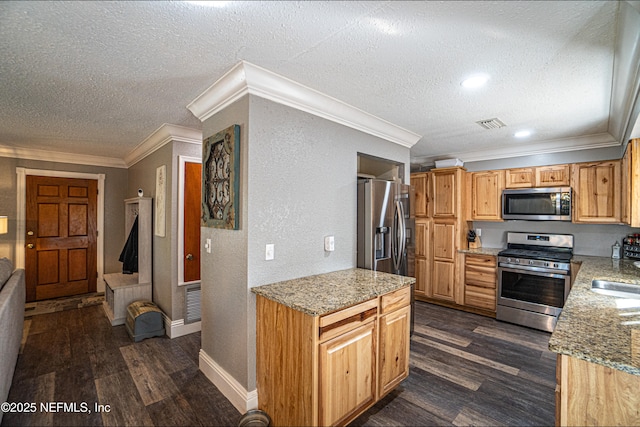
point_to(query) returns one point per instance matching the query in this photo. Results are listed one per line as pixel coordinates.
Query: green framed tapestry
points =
(220, 179)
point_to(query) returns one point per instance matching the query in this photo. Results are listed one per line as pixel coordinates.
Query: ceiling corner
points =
(246, 77)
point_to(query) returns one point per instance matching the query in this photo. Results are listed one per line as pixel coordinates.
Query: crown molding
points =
(158, 138)
(60, 157)
(246, 78)
(600, 140)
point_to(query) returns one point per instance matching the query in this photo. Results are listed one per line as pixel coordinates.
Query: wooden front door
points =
(60, 254)
(192, 210)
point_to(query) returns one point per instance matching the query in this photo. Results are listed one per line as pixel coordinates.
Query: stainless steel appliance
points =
(386, 228)
(538, 204)
(534, 279)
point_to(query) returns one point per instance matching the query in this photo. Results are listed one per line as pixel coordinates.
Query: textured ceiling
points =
(99, 77)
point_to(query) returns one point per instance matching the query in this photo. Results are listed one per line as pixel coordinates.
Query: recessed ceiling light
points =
(475, 81)
(383, 26)
(522, 134)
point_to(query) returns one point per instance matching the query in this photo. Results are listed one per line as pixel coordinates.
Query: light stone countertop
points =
(481, 251)
(324, 293)
(599, 328)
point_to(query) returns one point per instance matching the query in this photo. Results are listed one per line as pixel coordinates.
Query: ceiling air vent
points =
(491, 123)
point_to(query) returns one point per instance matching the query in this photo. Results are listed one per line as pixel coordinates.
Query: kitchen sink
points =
(616, 289)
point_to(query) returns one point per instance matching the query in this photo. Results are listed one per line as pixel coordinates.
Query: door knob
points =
(189, 257)
(30, 246)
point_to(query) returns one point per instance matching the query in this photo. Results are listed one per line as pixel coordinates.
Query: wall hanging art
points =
(220, 179)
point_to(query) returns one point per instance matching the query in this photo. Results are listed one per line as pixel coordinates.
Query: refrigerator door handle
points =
(399, 236)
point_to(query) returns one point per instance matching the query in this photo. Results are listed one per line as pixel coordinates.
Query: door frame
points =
(22, 214)
(181, 168)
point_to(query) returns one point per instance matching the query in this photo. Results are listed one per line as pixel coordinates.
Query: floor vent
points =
(491, 123)
(191, 303)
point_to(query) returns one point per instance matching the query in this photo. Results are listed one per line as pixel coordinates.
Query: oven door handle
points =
(537, 271)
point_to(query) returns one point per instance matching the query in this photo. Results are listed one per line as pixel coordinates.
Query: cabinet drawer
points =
(396, 299)
(480, 271)
(480, 276)
(480, 297)
(342, 321)
(482, 260)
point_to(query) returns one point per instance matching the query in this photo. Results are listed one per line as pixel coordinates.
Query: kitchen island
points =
(331, 345)
(597, 339)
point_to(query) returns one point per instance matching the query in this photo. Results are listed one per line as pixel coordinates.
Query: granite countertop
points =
(324, 293)
(599, 328)
(481, 251)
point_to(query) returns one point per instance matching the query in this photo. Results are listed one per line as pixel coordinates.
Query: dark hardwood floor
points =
(465, 370)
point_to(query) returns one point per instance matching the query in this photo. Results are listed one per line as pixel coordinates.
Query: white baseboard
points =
(177, 328)
(232, 390)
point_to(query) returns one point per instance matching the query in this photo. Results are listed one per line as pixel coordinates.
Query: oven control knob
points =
(509, 260)
(555, 265)
(530, 262)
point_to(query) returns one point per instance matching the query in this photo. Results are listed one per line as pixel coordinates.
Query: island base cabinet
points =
(394, 349)
(589, 394)
(347, 375)
(285, 357)
(326, 370)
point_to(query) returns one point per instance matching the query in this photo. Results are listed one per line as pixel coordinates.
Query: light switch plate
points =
(269, 252)
(329, 244)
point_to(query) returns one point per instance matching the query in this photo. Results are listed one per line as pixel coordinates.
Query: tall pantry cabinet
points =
(440, 233)
(421, 187)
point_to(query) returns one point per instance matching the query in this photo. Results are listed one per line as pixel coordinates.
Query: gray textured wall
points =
(143, 175)
(298, 185)
(115, 190)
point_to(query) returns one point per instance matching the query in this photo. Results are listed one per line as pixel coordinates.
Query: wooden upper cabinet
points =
(420, 183)
(631, 184)
(553, 176)
(520, 178)
(486, 195)
(541, 176)
(596, 192)
(445, 192)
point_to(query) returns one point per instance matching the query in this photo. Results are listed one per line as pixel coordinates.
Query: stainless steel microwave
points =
(537, 204)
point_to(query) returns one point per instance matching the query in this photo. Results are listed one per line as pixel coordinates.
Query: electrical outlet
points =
(478, 232)
(269, 252)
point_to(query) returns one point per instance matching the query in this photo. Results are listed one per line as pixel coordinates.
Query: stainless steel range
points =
(534, 279)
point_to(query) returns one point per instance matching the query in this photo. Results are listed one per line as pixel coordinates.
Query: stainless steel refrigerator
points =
(385, 227)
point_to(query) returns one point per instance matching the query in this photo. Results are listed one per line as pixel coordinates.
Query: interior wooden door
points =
(61, 249)
(192, 210)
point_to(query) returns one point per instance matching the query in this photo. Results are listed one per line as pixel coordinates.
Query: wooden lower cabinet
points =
(394, 348)
(588, 394)
(480, 278)
(347, 374)
(327, 370)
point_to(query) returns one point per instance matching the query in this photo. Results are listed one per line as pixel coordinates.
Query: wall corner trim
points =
(161, 136)
(247, 78)
(232, 390)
